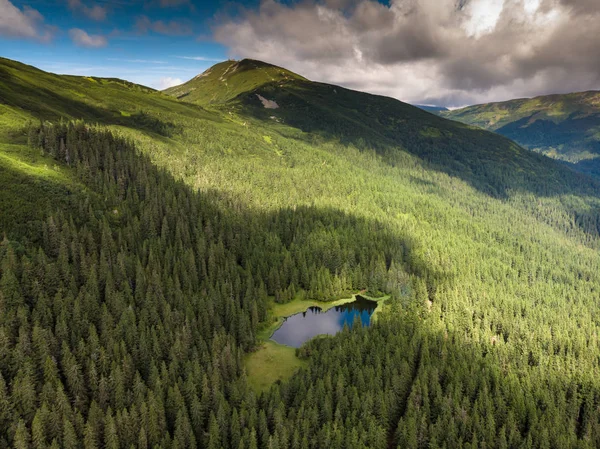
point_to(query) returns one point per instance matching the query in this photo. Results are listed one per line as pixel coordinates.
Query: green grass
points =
(227, 80)
(273, 361)
(270, 363)
(31, 186)
(32, 94)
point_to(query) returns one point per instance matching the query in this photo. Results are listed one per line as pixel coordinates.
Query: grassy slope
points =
(228, 79)
(31, 186)
(425, 181)
(312, 111)
(565, 127)
(29, 93)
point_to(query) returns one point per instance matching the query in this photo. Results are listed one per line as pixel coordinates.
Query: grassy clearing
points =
(31, 186)
(273, 362)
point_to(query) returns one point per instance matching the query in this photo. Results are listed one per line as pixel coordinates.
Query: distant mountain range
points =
(434, 109)
(565, 127)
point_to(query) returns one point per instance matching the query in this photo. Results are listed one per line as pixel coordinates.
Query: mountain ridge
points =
(367, 120)
(562, 126)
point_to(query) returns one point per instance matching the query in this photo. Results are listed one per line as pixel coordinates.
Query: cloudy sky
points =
(444, 52)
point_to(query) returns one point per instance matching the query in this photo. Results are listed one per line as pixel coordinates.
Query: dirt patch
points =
(269, 104)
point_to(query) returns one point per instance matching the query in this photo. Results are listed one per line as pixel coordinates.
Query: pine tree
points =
(22, 437)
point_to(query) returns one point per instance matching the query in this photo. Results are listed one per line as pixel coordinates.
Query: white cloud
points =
(168, 81)
(531, 6)
(83, 39)
(484, 15)
(25, 23)
(200, 58)
(94, 12)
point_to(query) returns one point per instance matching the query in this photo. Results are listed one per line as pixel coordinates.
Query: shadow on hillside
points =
(490, 163)
(487, 161)
(574, 131)
(588, 166)
(413, 375)
(46, 104)
(331, 239)
(440, 390)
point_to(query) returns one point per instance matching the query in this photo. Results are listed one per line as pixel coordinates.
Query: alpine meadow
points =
(153, 241)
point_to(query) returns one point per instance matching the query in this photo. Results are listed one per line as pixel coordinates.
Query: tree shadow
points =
(326, 238)
(404, 383)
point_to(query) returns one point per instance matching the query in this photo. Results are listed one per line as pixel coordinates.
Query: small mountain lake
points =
(301, 327)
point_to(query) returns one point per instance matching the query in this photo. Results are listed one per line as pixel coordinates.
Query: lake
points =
(301, 327)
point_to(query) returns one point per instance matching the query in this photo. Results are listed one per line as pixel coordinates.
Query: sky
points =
(438, 52)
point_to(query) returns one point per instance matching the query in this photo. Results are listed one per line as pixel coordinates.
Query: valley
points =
(153, 241)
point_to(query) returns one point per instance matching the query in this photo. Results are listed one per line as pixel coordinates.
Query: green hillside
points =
(150, 245)
(565, 127)
(27, 93)
(229, 79)
(307, 110)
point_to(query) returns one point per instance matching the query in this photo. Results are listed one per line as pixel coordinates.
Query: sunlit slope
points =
(27, 93)
(31, 187)
(565, 127)
(228, 79)
(250, 113)
(387, 126)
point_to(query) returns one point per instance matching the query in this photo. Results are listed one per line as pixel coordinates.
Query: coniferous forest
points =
(143, 257)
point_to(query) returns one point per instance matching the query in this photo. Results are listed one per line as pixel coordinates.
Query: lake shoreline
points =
(272, 361)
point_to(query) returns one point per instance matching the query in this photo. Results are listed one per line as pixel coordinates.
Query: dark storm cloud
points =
(458, 52)
(582, 6)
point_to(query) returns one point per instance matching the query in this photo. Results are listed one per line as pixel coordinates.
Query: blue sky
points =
(153, 43)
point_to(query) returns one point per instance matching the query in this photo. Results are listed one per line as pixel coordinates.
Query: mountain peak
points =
(228, 79)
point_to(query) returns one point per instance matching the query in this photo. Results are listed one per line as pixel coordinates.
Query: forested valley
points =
(141, 259)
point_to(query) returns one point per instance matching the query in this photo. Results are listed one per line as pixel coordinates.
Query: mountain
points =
(27, 92)
(432, 109)
(227, 80)
(376, 123)
(564, 127)
(151, 245)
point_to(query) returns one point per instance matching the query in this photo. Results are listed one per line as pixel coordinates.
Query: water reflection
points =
(301, 327)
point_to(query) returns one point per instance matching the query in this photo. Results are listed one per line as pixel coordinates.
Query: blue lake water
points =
(301, 327)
